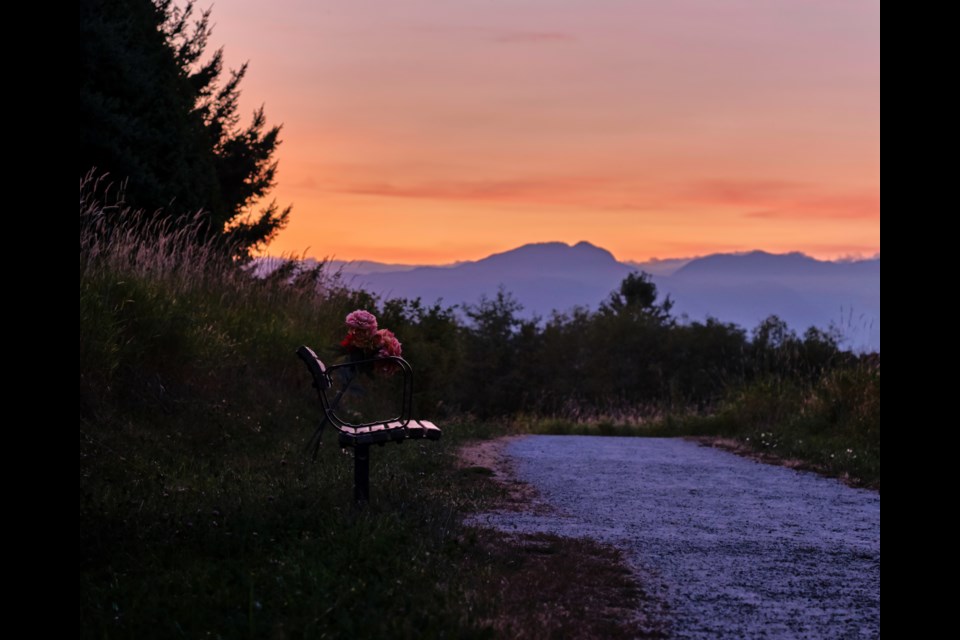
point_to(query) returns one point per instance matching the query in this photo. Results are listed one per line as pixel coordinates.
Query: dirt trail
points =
(734, 547)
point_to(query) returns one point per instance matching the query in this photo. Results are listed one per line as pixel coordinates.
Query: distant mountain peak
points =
(586, 247)
(547, 255)
(757, 263)
(583, 244)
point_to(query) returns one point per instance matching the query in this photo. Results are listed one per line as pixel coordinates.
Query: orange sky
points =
(434, 131)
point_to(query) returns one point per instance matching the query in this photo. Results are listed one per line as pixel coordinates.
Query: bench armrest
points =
(323, 382)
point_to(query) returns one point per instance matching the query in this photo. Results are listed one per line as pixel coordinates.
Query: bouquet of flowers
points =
(365, 340)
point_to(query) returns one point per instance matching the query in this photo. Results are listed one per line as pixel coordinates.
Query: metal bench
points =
(360, 436)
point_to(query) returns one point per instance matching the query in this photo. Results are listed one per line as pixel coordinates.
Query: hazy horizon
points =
(653, 260)
(743, 288)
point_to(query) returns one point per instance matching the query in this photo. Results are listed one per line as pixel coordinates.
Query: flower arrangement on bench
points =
(366, 350)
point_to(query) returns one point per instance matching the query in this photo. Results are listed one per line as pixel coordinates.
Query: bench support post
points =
(361, 473)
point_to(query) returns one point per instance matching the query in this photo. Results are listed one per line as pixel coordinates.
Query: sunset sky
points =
(434, 131)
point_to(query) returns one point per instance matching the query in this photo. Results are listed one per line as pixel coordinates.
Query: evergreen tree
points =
(158, 114)
(637, 298)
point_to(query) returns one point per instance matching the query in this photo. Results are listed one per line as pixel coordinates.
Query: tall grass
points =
(200, 515)
(166, 317)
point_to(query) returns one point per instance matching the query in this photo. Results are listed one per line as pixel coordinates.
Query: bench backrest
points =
(321, 381)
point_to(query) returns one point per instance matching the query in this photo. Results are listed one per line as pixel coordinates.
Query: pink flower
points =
(362, 340)
(361, 322)
(389, 345)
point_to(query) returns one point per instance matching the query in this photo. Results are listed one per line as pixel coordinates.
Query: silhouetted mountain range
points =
(745, 288)
(542, 277)
(740, 288)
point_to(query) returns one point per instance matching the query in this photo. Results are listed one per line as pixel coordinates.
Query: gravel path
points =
(737, 549)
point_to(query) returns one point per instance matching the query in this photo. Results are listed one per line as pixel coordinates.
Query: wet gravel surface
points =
(735, 548)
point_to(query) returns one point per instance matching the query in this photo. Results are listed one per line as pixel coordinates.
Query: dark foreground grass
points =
(244, 536)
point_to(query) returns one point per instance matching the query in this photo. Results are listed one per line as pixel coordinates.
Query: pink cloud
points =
(782, 199)
(533, 37)
(542, 190)
(742, 191)
(852, 206)
(508, 36)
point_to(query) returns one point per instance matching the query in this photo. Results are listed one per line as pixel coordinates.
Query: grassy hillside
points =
(200, 513)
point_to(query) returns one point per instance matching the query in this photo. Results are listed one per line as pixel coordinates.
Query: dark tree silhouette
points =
(637, 296)
(160, 115)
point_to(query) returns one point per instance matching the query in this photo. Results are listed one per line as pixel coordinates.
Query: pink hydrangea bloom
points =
(389, 345)
(361, 321)
(367, 341)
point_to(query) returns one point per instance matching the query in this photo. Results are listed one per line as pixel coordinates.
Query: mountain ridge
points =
(743, 288)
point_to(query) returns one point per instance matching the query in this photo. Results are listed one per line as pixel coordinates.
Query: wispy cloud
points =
(780, 199)
(743, 191)
(852, 206)
(506, 36)
(766, 213)
(553, 189)
(533, 37)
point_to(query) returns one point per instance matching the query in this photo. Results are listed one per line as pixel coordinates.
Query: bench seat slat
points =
(389, 431)
(414, 430)
(431, 430)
